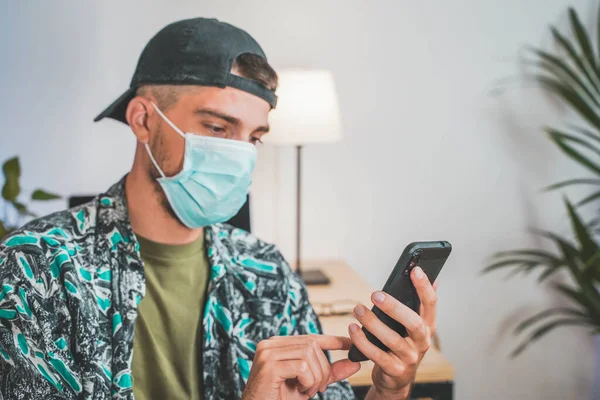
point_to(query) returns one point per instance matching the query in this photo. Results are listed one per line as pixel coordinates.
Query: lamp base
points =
(314, 277)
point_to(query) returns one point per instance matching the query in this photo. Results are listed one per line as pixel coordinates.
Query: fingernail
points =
(419, 273)
(379, 297)
(359, 310)
(353, 328)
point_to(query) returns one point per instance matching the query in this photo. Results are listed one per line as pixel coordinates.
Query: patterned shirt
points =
(71, 283)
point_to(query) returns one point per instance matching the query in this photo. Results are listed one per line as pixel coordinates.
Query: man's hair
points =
(248, 65)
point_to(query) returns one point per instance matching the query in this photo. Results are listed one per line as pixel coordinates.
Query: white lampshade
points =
(307, 109)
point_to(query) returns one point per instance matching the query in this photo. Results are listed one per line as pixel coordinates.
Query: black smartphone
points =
(430, 256)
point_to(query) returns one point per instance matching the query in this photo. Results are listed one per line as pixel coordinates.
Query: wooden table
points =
(434, 376)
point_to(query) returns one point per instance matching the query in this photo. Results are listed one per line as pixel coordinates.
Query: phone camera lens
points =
(442, 244)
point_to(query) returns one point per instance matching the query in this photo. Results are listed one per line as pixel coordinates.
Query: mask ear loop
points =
(172, 125)
(168, 121)
(154, 161)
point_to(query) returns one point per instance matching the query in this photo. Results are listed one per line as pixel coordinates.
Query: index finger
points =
(325, 342)
(427, 296)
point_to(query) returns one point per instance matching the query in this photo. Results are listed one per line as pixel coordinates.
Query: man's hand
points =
(295, 367)
(395, 370)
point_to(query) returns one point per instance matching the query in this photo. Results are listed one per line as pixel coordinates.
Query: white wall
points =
(428, 152)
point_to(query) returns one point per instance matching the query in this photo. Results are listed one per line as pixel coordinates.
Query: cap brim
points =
(117, 109)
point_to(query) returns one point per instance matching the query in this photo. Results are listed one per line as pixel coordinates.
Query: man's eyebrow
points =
(231, 119)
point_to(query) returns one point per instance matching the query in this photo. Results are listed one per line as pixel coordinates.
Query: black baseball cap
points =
(198, 51)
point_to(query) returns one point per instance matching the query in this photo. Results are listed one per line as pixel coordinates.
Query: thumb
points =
(342, 369)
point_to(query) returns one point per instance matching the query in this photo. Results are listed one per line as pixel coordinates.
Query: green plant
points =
(10, 194)
(573, 75)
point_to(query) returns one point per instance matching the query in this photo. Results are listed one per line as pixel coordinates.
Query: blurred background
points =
(442, 140)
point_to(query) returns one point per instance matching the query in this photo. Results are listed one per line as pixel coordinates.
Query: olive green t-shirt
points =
(167, 345)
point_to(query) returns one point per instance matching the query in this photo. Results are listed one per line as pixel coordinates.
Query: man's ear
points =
(137, 118)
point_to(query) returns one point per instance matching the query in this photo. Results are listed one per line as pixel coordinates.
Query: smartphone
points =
(430, 256)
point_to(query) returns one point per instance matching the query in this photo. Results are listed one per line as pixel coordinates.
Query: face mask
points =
(214, 181)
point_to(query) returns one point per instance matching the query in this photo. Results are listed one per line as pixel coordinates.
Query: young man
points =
(145, 292)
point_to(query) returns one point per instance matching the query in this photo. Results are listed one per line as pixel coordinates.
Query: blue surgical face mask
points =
(214, 181)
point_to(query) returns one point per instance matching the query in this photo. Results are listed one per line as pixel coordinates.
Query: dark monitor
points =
(75, 201)
(240, 220)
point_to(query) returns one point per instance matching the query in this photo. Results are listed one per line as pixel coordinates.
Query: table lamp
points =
(307, 112)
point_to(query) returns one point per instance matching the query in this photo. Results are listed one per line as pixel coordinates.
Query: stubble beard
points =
(157, 149)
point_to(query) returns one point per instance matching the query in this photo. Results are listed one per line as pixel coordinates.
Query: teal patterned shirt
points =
(70, 286)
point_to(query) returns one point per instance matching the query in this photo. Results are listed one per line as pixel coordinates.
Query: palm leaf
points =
(592, 267)
(545, 329)
(585, 132)
(588, 246)
(524, 268)
(575, 154)
(563, 72)
(529, 252)
(587, 199)
(513, 262)
(548, 273)
(574, 139)
(523, 258)
(598, 35)
(564, 245)
(590, 304)
(549, 313)
(583, 39)
(582, 181)
(571, 97)
(568, 48)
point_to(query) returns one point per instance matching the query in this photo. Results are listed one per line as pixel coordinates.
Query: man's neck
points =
(149, 218)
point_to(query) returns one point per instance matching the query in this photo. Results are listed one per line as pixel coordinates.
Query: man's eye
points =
(255, 140)
(216, 129)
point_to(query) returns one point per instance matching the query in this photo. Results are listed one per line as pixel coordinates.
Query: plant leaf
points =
(591, 197)
(513, 262)
(563, 72)
(40, 194)
(592, 306)
(11, 190)
(570, 138)
(588, 246)
(549, 313)
(585, 132)
(576, 155)
(562, 243)
(22, 209)
(572, 98)
(582, 38)
(543, 330)
(3, 230)
(525, 268)
(548, 273)
(12, 173)
(566, 45)
(11, 167)
(501, 264)
(569, 252)
(582, 181)
(592, 267)
(598, 33)
(528, 252)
